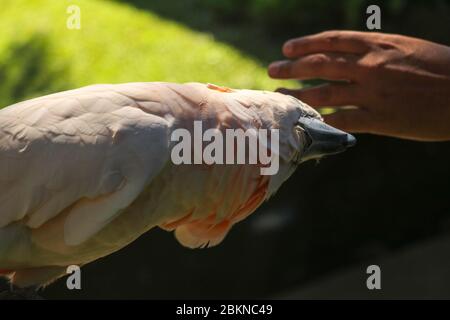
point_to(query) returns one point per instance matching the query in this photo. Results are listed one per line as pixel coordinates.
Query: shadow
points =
(197, 15)
(259, 28)
(25, 72)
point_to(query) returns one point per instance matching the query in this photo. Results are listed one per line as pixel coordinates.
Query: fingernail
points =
(274, 68)
(288, 48)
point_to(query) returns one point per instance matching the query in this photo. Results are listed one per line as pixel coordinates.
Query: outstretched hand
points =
(400, 85)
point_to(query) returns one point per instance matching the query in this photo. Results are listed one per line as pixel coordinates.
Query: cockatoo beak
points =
(323, 139)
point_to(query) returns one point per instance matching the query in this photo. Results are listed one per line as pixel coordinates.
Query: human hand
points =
(400, 85)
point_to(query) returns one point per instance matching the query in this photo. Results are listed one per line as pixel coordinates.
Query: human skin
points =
(400, 85)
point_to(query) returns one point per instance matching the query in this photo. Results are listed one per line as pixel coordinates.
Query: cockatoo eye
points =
(322, 139)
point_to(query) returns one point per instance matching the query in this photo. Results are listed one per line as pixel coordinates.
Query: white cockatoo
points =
(85, 172)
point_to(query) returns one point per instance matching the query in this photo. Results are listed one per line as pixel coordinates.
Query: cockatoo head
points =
(312, 138)
(303, 135)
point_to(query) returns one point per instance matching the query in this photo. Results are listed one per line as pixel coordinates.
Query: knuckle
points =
(318, 60)
(342, 61)
(374, 62)
(376, 65)
(372, 71)
(383, 45)
(331, 36)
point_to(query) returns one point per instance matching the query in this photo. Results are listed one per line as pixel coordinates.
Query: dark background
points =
(382, 197)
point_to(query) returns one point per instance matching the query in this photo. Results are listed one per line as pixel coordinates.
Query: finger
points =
(328, 41)
(327, 95)
(351, 120)
(329, 66)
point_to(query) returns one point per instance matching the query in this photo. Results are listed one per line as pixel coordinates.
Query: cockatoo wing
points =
(87, 153)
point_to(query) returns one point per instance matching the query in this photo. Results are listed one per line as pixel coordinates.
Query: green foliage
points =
(289, 17)
(116, 43)
(279, 15)
(25, 71)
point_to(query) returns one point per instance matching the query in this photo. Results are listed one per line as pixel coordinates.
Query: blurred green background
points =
(356, 208)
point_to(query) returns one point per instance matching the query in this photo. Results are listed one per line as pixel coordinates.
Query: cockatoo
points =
(85, 172)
